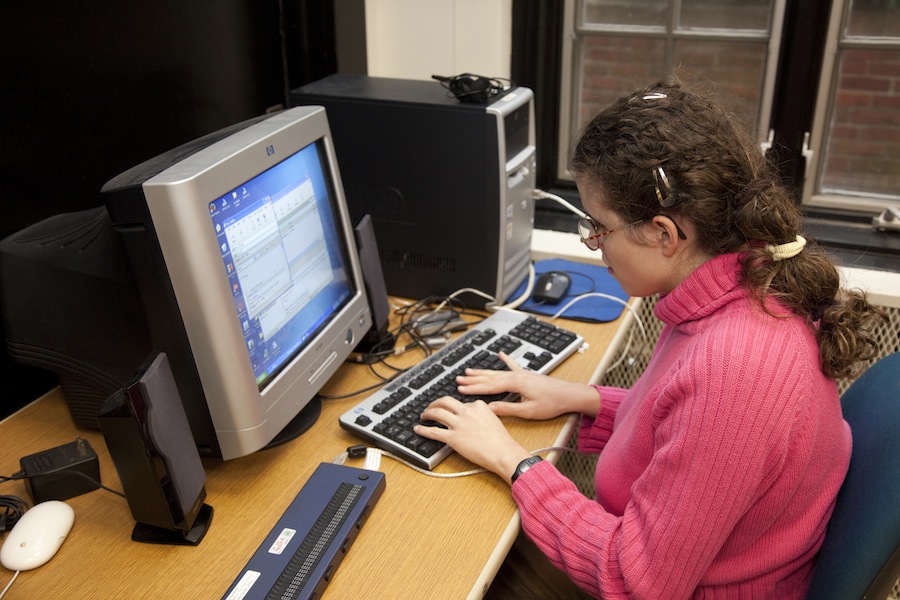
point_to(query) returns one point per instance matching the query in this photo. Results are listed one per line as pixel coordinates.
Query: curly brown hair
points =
(716, 176)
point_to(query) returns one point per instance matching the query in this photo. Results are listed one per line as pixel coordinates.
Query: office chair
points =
(861, 554)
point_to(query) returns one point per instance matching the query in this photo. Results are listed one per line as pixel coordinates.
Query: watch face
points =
(525, 465)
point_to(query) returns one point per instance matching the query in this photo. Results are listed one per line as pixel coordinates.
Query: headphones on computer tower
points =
(473, 88)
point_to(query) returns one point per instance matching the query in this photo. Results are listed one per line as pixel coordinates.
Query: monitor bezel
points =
(244, 417)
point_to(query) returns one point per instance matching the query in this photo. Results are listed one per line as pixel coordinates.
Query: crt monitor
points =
(245, 268)
(244, 258)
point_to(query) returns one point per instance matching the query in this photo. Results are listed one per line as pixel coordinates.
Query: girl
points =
(720, 466)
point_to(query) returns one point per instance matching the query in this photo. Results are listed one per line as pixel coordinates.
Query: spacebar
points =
(315, 546)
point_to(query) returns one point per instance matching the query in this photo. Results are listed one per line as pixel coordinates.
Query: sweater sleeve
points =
(713, 450)
(595, 432)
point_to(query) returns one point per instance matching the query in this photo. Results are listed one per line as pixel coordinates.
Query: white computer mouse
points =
(37, 535)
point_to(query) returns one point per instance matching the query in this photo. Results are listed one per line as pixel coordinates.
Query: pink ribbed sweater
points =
(718, 469)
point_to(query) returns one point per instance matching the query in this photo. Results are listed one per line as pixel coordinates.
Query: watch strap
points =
(524, 466)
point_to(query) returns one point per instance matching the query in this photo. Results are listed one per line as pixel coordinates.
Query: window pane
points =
(613, 66)
(874, 18)
(736, 68)
(863, 140)
(644, 13)
(725, 14)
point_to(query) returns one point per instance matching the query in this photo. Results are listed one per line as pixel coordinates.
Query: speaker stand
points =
(151, 534)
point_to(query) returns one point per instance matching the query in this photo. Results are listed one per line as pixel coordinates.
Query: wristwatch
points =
(524, 466)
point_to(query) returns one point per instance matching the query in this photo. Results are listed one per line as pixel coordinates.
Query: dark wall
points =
(92, 88)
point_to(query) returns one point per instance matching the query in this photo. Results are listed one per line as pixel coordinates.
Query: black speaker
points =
(378, 337)
(150, 442)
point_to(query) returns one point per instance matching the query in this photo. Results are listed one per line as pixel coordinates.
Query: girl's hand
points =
(542, 397)
(475, 432)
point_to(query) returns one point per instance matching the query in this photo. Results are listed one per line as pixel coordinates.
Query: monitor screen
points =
(283, 258)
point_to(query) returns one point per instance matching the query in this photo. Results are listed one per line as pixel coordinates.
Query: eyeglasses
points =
(591, 232)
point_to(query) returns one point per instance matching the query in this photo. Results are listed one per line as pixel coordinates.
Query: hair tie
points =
(789, 250)
(751, 190)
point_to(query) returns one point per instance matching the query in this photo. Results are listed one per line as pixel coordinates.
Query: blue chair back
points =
(861, 554)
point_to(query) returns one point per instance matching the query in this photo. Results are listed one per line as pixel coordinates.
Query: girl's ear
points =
(665, 234)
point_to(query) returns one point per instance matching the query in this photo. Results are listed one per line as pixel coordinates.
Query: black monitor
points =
(244, 266)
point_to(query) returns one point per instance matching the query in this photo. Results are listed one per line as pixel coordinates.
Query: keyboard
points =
(301, 553)
(386, 418)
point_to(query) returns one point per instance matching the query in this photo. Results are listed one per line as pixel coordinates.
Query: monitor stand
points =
(299, 424)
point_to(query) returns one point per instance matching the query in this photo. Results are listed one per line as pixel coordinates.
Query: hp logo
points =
(270, 150)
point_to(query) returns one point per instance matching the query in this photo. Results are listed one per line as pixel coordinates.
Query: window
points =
(848, 149)
(615, 46)
(818, 81)
(856, 131)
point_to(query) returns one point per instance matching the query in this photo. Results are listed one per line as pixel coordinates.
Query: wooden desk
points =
(426, 538)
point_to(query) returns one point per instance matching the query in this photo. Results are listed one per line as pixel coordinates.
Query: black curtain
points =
(537, 29)
(93, 88)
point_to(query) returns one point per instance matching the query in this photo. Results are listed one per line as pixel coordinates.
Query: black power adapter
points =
(61, 473)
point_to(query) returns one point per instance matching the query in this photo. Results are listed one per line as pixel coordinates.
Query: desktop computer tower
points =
(448, 183)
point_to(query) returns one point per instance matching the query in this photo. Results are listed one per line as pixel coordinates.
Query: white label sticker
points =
(282, 540)
(243, 585)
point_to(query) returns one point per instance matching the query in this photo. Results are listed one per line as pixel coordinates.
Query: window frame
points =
(814, 149)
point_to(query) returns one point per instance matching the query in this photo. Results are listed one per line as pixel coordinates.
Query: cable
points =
(432, 473)
(640, 323)
(542, 195)
(92, 480)
(608, 297)
(463, 291)
(21, 475)
(625, 352)
(411, 315)
(13, 509)
(590, 279)
(354, 393)
(492, 305)
(9, 585)
(529, 288)
(342, 458)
